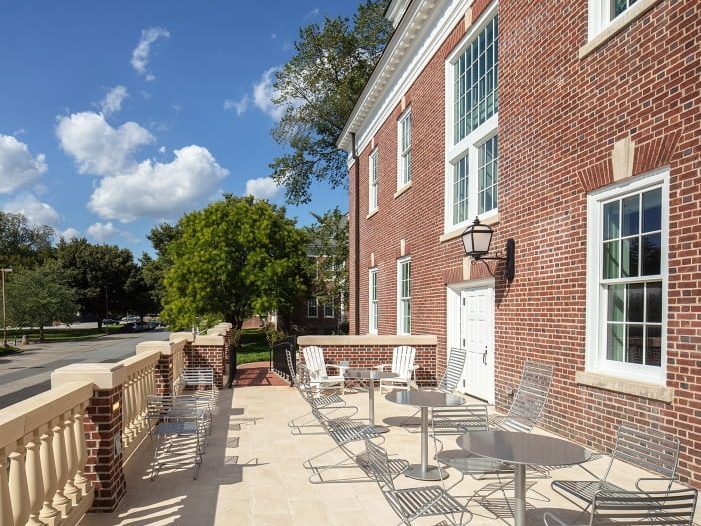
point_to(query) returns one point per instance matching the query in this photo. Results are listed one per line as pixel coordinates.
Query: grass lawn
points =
(254, 347)
(63, 334)
(8, 350)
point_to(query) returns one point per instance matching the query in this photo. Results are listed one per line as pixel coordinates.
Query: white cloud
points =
(159, 190)
(112, 102)
(103, 232)
(311, 14)
(70, 233)
(264, 93)
(177, 108)
(141, 53)
(36, 212)
(263, 188)
(239, 106)
(97, 147)
(18, 169)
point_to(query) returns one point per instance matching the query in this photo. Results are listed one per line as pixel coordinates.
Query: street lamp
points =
(4, 271)
(477, 239)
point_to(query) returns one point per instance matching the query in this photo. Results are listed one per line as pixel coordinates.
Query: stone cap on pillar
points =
(103, 375)
(166, 348)
(185, 335)
(208, 340)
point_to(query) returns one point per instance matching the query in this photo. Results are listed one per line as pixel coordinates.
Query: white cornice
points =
(396, 11)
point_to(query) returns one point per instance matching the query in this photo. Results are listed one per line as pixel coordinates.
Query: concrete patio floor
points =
(252, 474)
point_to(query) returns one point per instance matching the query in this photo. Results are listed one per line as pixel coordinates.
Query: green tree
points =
(236, 257)
(319, 87)
(154, 269)
(37, 297)
(22, 244)
(100, 274)
(329, 245)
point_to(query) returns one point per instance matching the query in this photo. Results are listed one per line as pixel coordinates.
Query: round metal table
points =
(370, 375)
(521, 450)
(424, 400)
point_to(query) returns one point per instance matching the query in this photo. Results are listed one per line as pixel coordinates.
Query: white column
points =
(19, 492)
(71, 491)
(61, 502)
(48, 513)
(5, 501)
(34, 480)
(126, 396)
(81, 449)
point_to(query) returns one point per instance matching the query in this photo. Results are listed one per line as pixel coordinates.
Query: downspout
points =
(356, 234)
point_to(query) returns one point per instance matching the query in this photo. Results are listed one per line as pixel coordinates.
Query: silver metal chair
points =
(672, 507)
(529, 401)
(646, 448)
(411, 504)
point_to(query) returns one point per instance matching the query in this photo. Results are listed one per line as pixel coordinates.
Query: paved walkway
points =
(257, 374)
(252, 474)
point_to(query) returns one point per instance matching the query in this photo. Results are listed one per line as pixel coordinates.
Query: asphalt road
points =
(29, 373)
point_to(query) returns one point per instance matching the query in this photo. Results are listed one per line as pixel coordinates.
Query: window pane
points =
(653, 345)
(629, 257)
(652, 210)
(635, 302)
(611, 217)
(614, 342)
(652, 249)
(654, 302)
(634, 344)
(615, 302)
(611, 259)
(631, 207)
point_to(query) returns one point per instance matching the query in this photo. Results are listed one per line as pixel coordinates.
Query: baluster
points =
(71, 491)
(34, 480)
(5, 501)
(81, 449)
(132, 405)
(61, 502)
(48, 513)
(139, 406)
(126, 395)
(19, 492)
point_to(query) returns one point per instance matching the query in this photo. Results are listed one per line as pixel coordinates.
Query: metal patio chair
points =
(672, 507)
(529, 401)
(646, 448)
(411, 504)
(318, 370)
(403, 365)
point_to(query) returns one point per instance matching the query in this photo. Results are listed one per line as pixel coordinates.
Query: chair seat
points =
(467, 463)
(350, 430)
(323, 401)
(584, 489)
(410, 501)
(176, 428)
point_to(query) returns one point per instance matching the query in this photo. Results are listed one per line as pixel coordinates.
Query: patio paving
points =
(252, 474)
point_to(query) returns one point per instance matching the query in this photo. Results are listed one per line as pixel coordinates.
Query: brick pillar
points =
(164, 367)
(103, 427)
(208, 351)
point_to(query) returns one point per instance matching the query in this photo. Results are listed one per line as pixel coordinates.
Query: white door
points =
(477, 338)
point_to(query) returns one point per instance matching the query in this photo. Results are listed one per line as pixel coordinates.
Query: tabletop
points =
(366, 374)
(523, 448)
(425, 398)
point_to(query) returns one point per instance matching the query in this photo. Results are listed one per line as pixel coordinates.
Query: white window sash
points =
(372, 181)
(373, 301)
(403, 301)
(404, 159)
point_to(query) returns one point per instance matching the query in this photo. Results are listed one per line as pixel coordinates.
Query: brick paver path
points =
(257, 374)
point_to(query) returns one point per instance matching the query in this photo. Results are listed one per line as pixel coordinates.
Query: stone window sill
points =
(372, 213)
(452, 234)
(403, 189)
(634, 12)
(622, 385)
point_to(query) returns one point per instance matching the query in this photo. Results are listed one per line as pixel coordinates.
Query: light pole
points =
(3, 271)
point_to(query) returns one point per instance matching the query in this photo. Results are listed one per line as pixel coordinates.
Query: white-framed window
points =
(373, 303)
(603, 12)
(328, 310)
(404, 295)
(373, 175)
(472, 102)
(627, 278)
(313, 308)
(404, 149)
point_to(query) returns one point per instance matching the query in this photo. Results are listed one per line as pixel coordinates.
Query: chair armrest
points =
(550, 519)
(659, 480)
(382, 367)
(336, 366)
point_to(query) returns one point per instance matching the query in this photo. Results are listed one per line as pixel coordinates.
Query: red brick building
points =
(575, 129)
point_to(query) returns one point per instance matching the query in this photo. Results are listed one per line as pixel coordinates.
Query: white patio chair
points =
(319, 377)
(403, 365)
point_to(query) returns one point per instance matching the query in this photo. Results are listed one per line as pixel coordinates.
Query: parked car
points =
(130, 318)
(109, 321)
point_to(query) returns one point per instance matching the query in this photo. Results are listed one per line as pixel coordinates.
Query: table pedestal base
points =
(380, 429)
(415, 471)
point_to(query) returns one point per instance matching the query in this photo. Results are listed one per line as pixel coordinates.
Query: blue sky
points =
(115, 116)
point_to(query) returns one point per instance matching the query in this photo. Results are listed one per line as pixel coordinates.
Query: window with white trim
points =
(328, 310)
(404, 296)
(627, 275)
(372, 180)
(373, 304)
(472, 101)
(313, 308)
(404, 149)
(603, 12)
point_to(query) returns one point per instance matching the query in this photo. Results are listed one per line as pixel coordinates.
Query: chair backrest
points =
(198, 376)
(530, 398)
(403, 360)
(378, 462)
(314, 360)
(453, 370)
(648, 507)
(452, 420)
(291, 365)
(647, 448)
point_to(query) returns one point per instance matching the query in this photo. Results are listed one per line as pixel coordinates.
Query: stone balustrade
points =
(140, 382)
(43, 448)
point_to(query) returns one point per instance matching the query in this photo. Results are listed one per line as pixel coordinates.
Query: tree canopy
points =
(234, 258)
(319, 87)
(22, 244)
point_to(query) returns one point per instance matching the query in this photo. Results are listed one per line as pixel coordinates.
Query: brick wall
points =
(559, 117)
(213, 356)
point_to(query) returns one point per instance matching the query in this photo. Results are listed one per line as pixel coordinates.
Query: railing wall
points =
(141, 382)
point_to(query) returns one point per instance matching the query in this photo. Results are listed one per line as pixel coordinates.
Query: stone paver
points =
(252, 474)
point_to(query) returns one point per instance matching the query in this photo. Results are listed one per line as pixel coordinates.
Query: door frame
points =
(453, 321)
